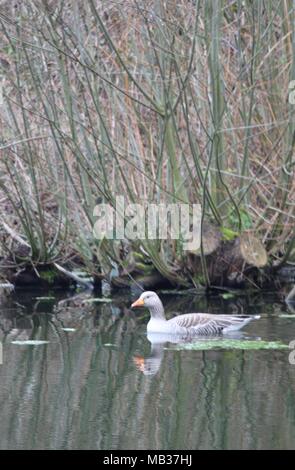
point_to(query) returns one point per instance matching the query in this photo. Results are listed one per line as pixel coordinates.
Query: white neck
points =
(157, 311)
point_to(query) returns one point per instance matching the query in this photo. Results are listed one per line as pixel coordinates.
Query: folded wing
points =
(207, 324)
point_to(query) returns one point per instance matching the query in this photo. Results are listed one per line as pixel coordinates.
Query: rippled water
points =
(96, 381)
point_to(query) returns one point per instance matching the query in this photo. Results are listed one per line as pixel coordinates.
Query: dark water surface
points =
(99, 383)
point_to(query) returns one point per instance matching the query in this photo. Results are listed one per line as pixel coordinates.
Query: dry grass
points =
(159, 101)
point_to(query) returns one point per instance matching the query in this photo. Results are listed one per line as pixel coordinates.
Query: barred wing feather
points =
(207, 324)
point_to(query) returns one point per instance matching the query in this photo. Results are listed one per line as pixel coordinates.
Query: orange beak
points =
(138, 303)
(139, 362)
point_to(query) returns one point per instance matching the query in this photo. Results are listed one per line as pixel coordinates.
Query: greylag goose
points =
(192, 324)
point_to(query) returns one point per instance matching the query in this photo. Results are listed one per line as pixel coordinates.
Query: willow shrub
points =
(160, 101)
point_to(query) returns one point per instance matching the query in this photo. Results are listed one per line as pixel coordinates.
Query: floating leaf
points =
(98, 299)
(205, 345)
(29, 342)
(228, 295)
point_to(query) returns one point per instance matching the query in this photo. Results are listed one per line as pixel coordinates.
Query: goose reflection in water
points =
(150, 365)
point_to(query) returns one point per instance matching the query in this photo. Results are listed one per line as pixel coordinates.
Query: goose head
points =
(150, 300)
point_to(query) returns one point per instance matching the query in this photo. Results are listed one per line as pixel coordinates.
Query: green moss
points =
(48, 275)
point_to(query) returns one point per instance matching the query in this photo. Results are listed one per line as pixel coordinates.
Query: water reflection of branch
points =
(291, 296)
(290, 300)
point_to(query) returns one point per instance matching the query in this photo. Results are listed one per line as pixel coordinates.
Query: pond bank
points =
(50, 279)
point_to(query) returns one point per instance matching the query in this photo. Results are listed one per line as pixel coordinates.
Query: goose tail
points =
(240, 322)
